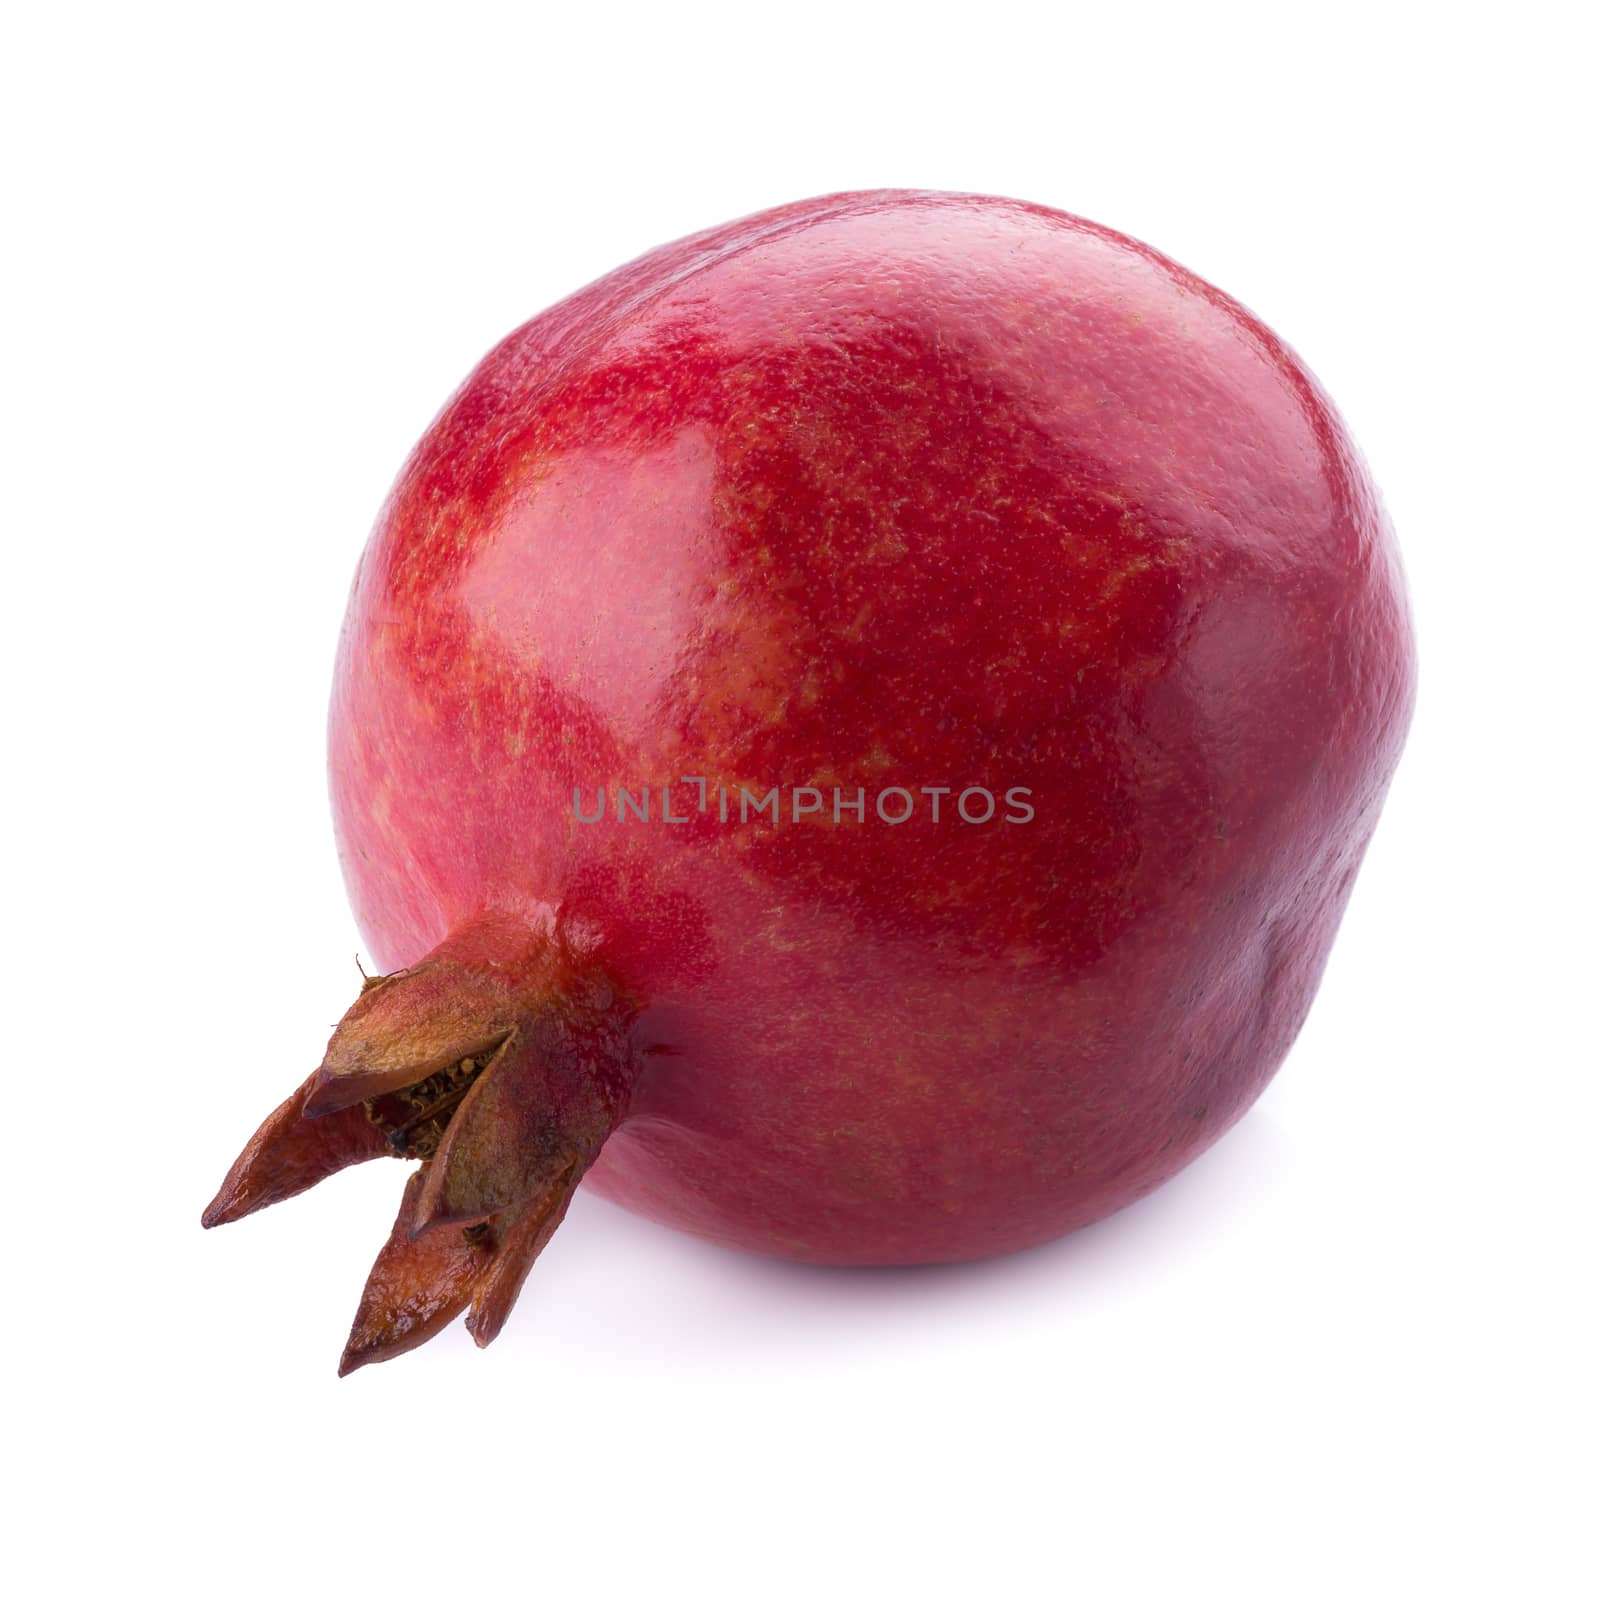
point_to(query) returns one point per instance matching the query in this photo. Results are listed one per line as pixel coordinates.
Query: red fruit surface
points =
(888, 490)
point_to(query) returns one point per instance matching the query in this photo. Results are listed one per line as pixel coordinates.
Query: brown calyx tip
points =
(498, 1062)
(287, 1155)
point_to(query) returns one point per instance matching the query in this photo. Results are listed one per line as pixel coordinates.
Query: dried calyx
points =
(413, 1119)
(502, 1064)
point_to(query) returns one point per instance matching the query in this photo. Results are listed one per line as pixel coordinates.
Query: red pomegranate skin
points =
(889, 489)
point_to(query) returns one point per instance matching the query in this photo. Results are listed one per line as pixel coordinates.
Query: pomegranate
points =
(852, 737)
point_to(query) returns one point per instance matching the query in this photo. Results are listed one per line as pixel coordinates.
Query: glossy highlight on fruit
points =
(880, 494)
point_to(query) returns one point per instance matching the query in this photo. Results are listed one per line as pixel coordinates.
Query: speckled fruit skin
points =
(909, 489)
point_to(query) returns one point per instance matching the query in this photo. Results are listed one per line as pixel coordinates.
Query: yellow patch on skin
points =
(748, 681)
(1118, 576)
(858, 623)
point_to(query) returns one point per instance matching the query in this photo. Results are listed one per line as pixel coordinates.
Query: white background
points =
(1347, 1352)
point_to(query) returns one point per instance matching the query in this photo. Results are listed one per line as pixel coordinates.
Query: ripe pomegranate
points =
(853, 736)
